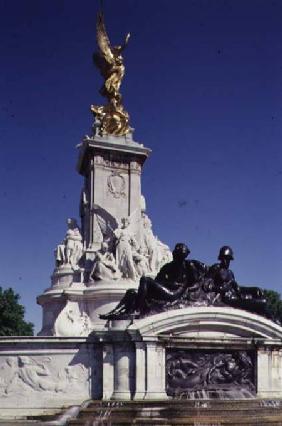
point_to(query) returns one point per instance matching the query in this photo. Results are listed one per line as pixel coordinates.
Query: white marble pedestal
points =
(127, 359)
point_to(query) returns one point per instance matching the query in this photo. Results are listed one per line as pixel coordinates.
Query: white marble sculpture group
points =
(23, 373)
(69, 252)
(114, 245)
(126, 259)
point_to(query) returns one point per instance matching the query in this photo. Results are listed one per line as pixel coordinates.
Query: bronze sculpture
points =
(227, 290)
(175, 281)
(112, 117)
(183, 283)
(193, 371)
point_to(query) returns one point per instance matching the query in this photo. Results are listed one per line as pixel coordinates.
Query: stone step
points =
(188, 404)
(175, 414)
(21, 422)
(192, 421)
(190, 409)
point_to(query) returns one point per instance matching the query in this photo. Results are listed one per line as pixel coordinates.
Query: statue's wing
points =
(103, 66)
(103, 40)
(107, 223)
(132, 218)
(131, 227)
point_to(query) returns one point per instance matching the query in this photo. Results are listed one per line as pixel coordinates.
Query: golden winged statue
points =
(113, 118)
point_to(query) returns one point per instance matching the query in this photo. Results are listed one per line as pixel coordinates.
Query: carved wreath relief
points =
(116, 185)
(193, 374)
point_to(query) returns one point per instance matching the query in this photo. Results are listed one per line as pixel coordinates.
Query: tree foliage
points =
(12, 321)
(274, 304)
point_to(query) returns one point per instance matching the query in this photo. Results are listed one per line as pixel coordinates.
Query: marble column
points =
(269, 377)
(140, 370)
(155, 369)
(108, 370)
(124, 371)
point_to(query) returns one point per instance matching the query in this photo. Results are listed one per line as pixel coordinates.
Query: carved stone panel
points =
(42, 376)
(116, 185)
(111, 160)
(196, 374)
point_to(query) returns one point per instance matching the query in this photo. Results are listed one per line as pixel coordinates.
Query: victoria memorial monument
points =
(124, 318)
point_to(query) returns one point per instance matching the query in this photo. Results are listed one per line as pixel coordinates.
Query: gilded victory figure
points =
(113, 118)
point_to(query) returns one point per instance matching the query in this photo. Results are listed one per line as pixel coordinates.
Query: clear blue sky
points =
(203, 87)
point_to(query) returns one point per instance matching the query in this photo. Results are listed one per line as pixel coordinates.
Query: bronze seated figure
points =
(182, 283)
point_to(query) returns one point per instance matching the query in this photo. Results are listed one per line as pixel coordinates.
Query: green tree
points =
(12, 321)
(274, 303)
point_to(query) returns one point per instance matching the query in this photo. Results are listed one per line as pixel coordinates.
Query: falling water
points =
(103, 418)
(220, 394)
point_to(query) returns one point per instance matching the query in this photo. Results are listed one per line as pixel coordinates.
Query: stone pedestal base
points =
(209, 347)
(62, 277)
(227, 352)
(79, 304)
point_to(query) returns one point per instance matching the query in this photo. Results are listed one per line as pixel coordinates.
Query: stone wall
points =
(45, 374)
(129, 360)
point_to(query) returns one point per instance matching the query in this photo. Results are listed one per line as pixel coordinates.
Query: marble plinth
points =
(128, 359)
(74, 311)
(42, 375)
